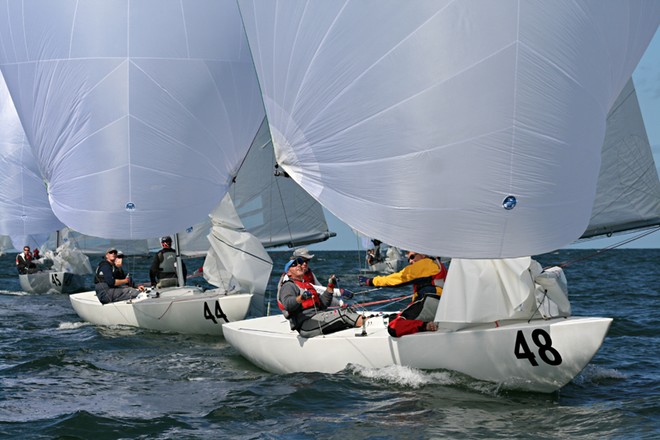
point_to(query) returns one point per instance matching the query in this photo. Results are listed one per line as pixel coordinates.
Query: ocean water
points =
(63, 378)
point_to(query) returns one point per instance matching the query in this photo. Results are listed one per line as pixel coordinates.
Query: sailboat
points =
(383, 261)
(237, 269)
(491, 118)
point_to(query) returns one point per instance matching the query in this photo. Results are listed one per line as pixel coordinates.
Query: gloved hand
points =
(346, 294)
(364, 281)
(306, 294)
(332, 282)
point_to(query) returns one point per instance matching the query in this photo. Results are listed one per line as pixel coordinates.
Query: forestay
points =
(139, 112)
(487, 118)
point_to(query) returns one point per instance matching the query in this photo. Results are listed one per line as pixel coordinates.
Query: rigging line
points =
(608, 248)
(367, 291)
(390, 300)
(241, 250)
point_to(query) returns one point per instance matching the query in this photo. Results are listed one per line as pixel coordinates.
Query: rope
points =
(607, 249)
(391, 300)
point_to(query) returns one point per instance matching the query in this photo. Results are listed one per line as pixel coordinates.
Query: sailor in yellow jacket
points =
(427, 276)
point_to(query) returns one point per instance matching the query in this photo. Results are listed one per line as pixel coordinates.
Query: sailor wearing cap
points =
(108, 288)
(303, 255)
(163, 267)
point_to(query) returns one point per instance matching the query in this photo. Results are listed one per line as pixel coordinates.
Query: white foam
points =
(72, 325)
(404, 376)
(12, 292)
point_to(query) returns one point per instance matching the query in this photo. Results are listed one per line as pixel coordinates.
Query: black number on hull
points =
(545, 347)
(544, 343)
(219, 314)
(55, 280)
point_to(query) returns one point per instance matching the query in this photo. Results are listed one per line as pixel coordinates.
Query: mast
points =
(179, 263)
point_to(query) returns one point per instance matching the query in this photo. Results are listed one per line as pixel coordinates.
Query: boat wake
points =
(404, 376)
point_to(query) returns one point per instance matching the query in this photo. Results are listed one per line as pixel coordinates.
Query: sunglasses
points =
(411, 257)
(298, 261)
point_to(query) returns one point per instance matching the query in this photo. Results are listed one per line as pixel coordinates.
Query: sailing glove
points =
(306, 294)
(346, 294)
(364, 281)
(332, 282)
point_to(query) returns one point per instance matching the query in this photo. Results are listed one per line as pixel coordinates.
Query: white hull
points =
(486, 352)
(185, 310)
(50, 281)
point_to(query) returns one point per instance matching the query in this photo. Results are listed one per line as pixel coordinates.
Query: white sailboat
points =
(492, 118)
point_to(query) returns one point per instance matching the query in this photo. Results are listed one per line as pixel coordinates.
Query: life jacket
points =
(167, 267)
(25, 259)
(432, 284)
(309, 276)
(314, 301)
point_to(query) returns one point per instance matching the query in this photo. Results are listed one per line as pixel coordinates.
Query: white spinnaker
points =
(24, 207)
(139, 113)
(460, 105)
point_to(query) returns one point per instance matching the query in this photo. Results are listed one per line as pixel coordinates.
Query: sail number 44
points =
(216, 315)
(543, 343)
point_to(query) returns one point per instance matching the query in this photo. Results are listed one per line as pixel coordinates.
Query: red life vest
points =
(314, 301)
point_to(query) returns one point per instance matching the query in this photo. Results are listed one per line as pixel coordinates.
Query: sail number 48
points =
(543, 342)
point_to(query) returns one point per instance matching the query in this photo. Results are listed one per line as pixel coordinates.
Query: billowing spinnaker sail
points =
(139, 112)
(421, 122)
(628, 191)
(24, 207)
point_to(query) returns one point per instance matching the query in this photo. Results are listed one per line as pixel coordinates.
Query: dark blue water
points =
(62, 378)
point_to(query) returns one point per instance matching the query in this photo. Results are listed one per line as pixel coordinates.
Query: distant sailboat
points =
(489, 119)
(383, 260)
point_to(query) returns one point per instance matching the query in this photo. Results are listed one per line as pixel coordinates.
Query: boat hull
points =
(187, 310)
(50, 281)
(540, 356)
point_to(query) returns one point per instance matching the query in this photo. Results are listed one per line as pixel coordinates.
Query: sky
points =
(647, 83)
